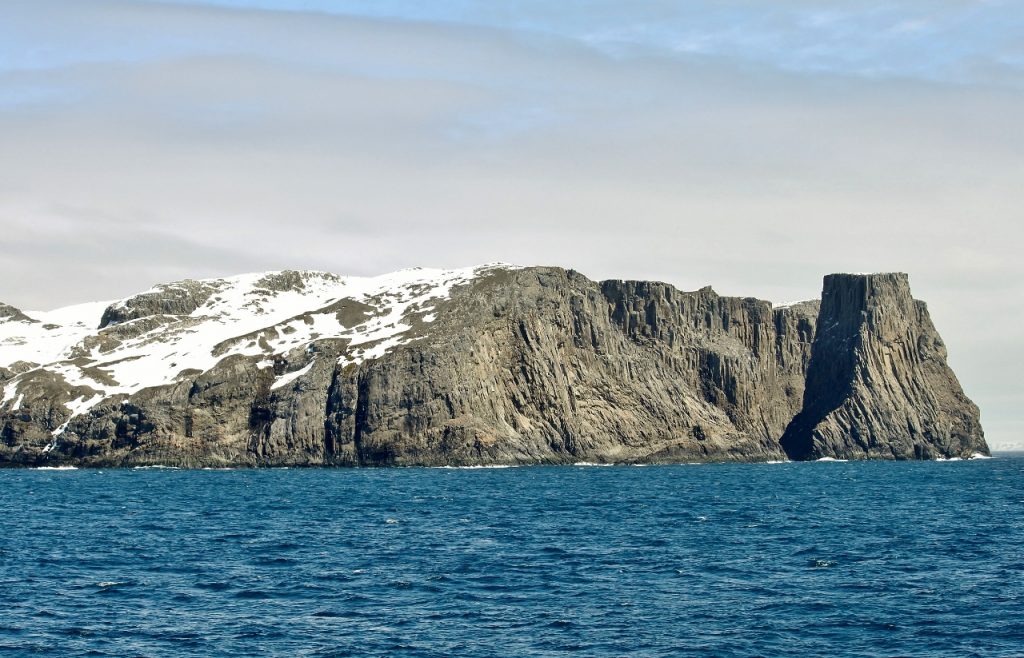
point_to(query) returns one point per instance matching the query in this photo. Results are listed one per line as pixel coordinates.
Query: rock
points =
(179, 298)
(513, 366)
(878, 385)
(10, 314)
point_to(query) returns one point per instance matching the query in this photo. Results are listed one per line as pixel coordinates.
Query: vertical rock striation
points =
(511, 366)
(878, 385)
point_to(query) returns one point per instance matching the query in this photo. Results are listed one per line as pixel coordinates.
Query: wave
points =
(54, 468)
(156, 467)
(591, 464)
(831, 459)
(478, 466)
(976, 455)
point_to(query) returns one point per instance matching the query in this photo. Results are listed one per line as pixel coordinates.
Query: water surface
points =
(872, 559)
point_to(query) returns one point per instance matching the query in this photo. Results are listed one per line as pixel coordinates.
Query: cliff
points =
(878, 384)
(484, 365)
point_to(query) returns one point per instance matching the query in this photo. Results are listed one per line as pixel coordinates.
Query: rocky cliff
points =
(488, 365)
(878, 384)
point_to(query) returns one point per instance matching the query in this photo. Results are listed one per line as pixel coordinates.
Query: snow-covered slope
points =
(264, 315)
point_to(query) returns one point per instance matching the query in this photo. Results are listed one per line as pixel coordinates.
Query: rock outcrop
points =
(497, 365)
(878, 384)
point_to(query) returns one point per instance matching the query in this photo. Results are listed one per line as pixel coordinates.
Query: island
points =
(487, 365)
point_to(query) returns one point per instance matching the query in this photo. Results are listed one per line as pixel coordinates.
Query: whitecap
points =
(476, 467)
(978, 455)
(831, 459)
(55, 468)
(591, 464)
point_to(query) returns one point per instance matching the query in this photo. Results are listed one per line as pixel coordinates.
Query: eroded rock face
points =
(516, 366)
(878, 385)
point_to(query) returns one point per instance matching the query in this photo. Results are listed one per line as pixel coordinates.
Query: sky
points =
(753, 146)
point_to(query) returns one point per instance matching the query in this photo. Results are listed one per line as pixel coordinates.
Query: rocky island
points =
(479, 366)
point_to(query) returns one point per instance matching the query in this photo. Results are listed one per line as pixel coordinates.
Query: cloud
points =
(212, 140)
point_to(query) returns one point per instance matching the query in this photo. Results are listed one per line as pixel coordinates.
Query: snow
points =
(288, 378)
(240, 318)
(789, 304)
(34, 342)
(76, 407)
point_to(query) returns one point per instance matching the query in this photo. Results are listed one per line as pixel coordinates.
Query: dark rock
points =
(539, 365)
(180, 298)
(878, 385)
(10, 314)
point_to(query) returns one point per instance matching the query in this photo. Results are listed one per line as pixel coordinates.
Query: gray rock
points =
(540, 366)
(10, 314)
(179, 298)
(878, 385)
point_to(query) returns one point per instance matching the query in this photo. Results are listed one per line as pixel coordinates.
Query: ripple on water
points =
(869, 559)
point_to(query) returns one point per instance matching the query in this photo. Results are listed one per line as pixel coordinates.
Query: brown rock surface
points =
(534, 365)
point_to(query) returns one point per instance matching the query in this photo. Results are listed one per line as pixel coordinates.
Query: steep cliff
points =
(878, 385)
(479, 366)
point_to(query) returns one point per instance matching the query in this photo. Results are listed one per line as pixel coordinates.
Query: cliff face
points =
(878, 384)
(493, 365)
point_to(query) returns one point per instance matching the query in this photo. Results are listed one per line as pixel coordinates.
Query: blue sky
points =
(746, 144)
(947, 40)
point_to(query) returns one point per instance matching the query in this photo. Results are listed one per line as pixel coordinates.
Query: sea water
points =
(868, 559)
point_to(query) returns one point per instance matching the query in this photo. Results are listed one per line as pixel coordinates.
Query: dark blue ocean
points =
(810, 559)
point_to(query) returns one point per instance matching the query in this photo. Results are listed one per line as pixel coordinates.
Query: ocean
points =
(809, 559)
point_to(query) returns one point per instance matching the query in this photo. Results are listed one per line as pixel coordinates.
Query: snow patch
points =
(288, 378)
(790, 304)
(77, 407)
(243, 317)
